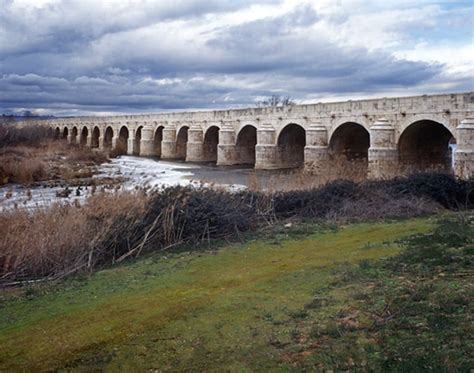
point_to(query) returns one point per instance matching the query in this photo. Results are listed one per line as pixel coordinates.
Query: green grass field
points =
(238, 308)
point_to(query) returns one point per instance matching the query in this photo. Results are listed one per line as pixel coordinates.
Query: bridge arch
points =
(157, 139)
(245, 144)
(349, 149)
(244, 124)
(74, 133)
(65, 132)
(84, 134)
(57, 133)
(122, 141)
(108, 136)
(95, 137)
(403, 125)
(182, 142)
(361, 121)
(210, 143)
(424, 145)
(137, 140)
(291, 142)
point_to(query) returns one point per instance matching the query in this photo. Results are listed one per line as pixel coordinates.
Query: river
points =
(134, 173)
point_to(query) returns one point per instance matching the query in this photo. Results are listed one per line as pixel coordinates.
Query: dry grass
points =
(56, 241)
(338, 168)
(47, 160)
(21, 170)
(29, 154)
(111, 227)
(12, 134)
(120, 149)
(307, 178)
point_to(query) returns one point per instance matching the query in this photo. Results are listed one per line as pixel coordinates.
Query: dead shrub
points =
(192, 214)
(120, 149)
(65, 238)
(111, 227)
(32, 135)
(310, 177)
(442, 188)
(21, 170)
(86, 155)
(69, 173)
(47, 160)
(380, 205)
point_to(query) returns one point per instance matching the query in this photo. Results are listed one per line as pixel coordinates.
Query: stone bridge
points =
(383, 136)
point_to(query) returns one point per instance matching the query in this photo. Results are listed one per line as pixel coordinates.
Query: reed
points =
(112, 226)
(47, 160)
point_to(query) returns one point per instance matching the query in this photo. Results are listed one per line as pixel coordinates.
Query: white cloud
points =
(459, 59)
(161, 82)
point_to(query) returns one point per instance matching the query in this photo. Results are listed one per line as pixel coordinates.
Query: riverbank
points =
(109, 227)
(124, 173)
(33, 174)
(296, 297)
(47, 162)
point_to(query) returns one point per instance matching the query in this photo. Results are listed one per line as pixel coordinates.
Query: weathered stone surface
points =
(403, 132)
(464, 155)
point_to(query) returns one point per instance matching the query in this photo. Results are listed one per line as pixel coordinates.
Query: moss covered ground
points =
(263, 304)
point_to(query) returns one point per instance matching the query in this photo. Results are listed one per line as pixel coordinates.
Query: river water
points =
(134, 172)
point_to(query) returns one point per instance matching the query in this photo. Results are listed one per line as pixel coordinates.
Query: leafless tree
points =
(276, 100)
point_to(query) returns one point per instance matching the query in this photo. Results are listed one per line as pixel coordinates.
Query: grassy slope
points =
(188, 311)
(410, 313)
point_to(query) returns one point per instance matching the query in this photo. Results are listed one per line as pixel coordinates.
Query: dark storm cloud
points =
(69, 57)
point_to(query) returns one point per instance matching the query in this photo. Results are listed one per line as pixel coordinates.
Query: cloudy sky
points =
(79, 57)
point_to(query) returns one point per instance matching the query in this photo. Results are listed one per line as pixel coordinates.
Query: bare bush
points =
(21, 170)
(11, 134)
(310, 177)
(370, 208)
(56, 241)
(47, 160)
(112, 227)
(276, 101)
(86, 155)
